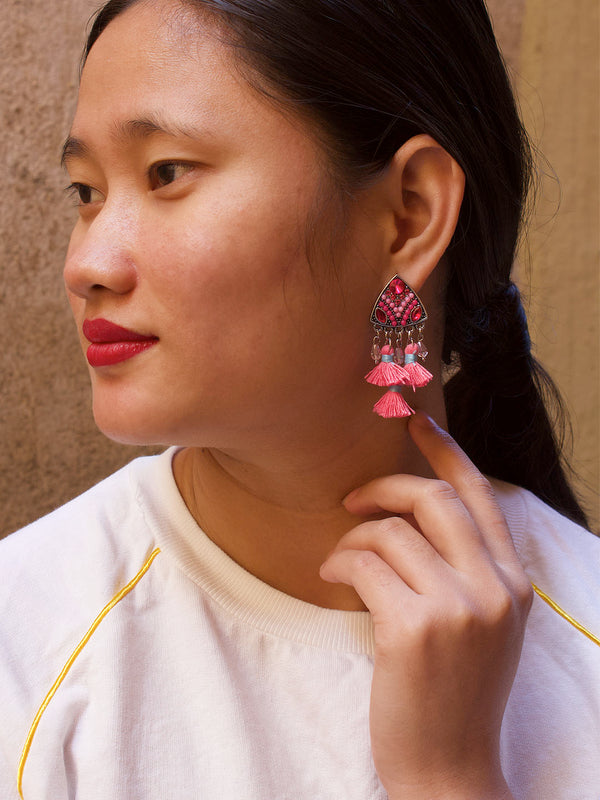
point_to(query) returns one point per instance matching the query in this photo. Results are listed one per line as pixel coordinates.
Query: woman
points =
(302, 598)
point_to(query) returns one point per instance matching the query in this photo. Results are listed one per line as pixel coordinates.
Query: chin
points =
(149, 424)
(129, 436)
(129, 426)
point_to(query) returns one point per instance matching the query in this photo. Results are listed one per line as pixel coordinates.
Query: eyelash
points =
(153, 174)
(77, 190)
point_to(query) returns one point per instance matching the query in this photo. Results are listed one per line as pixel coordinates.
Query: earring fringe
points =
(387, 372)
(418, 376)
(392, 404)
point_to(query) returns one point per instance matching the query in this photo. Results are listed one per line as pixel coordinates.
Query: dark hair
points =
(372, 74)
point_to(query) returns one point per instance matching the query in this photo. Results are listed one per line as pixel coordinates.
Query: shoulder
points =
(58, 573)
(548, 543)
(99, 525)
(561, 558)
(85, 548)
(550, 745)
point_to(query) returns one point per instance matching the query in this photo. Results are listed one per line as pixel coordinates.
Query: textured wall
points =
(50, 447)
(559, 87)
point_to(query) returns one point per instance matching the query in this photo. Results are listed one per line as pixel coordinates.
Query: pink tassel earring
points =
(397, 309)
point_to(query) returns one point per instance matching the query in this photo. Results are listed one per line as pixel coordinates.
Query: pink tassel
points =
(392, 404)
(387, 372)
(418, 376)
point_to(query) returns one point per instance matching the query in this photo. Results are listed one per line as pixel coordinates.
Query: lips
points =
(111, 344)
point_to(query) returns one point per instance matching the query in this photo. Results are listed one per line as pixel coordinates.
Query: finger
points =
(439, 513)
(379, 587)
(403, 548)
(452, 465)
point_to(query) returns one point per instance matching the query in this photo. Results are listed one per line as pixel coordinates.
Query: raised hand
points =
(449, 601)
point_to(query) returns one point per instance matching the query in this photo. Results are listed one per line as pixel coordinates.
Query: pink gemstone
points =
(397, 286)
(380, 315)
(416, 315)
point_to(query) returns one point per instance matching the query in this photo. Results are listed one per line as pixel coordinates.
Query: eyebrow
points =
(130, 131)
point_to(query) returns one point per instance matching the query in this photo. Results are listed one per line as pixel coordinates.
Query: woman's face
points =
(197, 198)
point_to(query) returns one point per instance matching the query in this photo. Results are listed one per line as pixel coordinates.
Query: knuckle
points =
(503, 607)
(366, 561)
(390, 526)
(476, 482)
(474, 615)
(374, 569)
(441, 491)
(524, 594)
(463, 615)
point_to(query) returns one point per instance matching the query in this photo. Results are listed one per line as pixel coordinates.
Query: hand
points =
(449, 601)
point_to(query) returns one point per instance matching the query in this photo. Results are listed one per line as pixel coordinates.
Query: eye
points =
(167, 172)
(83, 194)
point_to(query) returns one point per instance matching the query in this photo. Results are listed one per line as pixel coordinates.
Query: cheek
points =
(244, 267)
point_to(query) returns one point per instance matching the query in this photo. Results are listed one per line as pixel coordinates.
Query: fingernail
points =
(423, 420)
(349, 497)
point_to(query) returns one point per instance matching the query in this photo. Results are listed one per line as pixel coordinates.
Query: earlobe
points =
(426, 188)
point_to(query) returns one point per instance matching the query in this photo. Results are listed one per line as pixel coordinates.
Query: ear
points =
(425, 187)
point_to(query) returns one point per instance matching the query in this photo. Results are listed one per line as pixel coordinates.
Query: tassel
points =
(387, 372)
(418, 376)
(392, 404)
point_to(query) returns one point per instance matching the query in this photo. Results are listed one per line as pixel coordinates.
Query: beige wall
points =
(559, 87)
(50, 448)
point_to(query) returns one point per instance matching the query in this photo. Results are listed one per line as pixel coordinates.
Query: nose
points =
(101, 257)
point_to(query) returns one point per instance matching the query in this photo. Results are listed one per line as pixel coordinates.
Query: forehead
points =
(161, 70)
(160, 48)
(161, 60)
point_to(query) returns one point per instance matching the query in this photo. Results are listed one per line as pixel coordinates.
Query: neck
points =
(279, 514)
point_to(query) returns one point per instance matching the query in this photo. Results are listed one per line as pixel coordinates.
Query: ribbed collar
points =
(229, 585)
(246, 597)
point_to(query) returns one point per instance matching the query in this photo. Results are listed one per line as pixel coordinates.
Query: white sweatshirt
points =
(197, 680)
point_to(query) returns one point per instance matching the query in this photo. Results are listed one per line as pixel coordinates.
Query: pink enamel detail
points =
(397, 305)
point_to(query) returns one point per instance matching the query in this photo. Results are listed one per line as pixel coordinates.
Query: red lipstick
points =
(111, 344)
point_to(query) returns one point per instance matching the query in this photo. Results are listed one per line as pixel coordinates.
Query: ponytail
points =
(498, 401)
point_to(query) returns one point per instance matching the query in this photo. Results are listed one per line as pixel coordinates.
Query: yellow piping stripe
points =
(125, 591)
(107, 608)
(555, 607)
